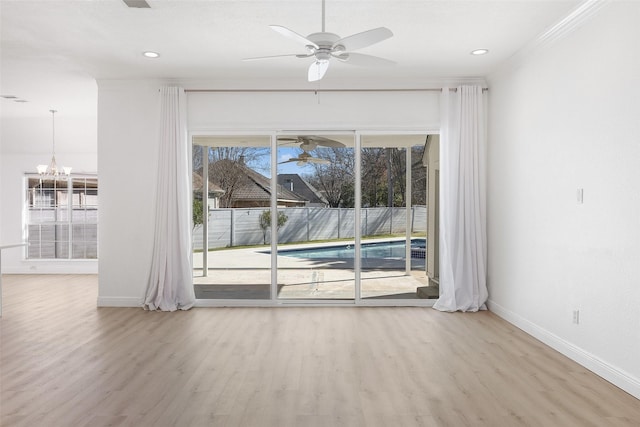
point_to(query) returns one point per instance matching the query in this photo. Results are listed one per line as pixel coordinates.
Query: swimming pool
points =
(385, 250)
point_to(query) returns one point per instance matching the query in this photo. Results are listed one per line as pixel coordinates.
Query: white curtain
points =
(463, 241)
(170, 285)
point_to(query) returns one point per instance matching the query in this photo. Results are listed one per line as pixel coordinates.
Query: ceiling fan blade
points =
(326, 142)
(293, 35)
(273, 56)
(364, 39)
(364, 60)
(307, 144)
(317, 70)
(318, 161)
(291, 160)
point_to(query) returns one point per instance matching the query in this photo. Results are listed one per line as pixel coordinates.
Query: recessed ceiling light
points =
(150, 54)
(480, 52)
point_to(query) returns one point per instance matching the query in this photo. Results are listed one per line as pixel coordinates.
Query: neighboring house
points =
(215, 192)
(297, 184)
(246, 188)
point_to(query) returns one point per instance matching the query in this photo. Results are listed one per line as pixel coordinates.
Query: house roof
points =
(197, 184)
(302, 187)
(258, 186)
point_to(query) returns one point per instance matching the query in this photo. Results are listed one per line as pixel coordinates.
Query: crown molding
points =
(574, 20)
(568, 24)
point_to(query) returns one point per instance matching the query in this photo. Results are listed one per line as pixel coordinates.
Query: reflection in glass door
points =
(393, 216)
(231, 208)
(316, 212)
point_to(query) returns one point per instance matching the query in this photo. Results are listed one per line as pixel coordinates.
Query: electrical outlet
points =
(576, 317)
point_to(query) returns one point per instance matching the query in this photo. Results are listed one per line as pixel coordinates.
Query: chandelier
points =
(51, 170)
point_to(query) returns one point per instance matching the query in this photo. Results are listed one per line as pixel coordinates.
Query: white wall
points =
(308, 111)
(26, 142)
(127, 132)
(127, 135)
(567, 118)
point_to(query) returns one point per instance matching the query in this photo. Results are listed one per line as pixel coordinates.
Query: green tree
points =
(231, 177)
(335, 178)
(198, 212)
(265, 222)
(374, 177)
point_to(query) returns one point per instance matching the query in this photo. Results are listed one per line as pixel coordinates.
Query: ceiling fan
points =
(304, 158)
(310, 142)
(323, 46)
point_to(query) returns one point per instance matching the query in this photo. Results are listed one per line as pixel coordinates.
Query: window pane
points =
(91, 216)
(62, 214)
(316, 202)
(51, 225)
(91, 241)
(78, 216)
(33, 250)
(231, 193)
(47, 241)
(393, 217)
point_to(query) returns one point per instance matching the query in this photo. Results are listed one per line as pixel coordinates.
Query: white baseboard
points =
(119, 302)
(618, 377)
(54, 267)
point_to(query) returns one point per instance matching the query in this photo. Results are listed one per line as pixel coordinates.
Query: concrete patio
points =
(246, 274)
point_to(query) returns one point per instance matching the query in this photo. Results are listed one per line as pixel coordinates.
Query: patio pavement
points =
(246, 274)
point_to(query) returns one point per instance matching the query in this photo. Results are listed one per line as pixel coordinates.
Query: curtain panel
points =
(463, 239)
(170, 284)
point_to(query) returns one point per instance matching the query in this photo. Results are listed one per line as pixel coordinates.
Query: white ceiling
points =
(53, 51)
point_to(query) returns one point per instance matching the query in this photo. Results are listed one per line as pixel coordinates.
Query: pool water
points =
(385, 250)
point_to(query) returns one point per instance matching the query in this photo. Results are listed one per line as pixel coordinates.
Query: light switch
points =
(580, 195)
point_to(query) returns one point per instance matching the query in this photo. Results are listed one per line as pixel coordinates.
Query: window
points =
(61, 217)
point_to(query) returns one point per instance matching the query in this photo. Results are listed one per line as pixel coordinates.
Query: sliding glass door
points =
(393, 216)
(316, 214)
(310, 217)
(231, 201)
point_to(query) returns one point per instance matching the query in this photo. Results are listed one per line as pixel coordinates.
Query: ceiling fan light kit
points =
(324, 46)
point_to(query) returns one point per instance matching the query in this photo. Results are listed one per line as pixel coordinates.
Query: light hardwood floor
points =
(65, 362)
